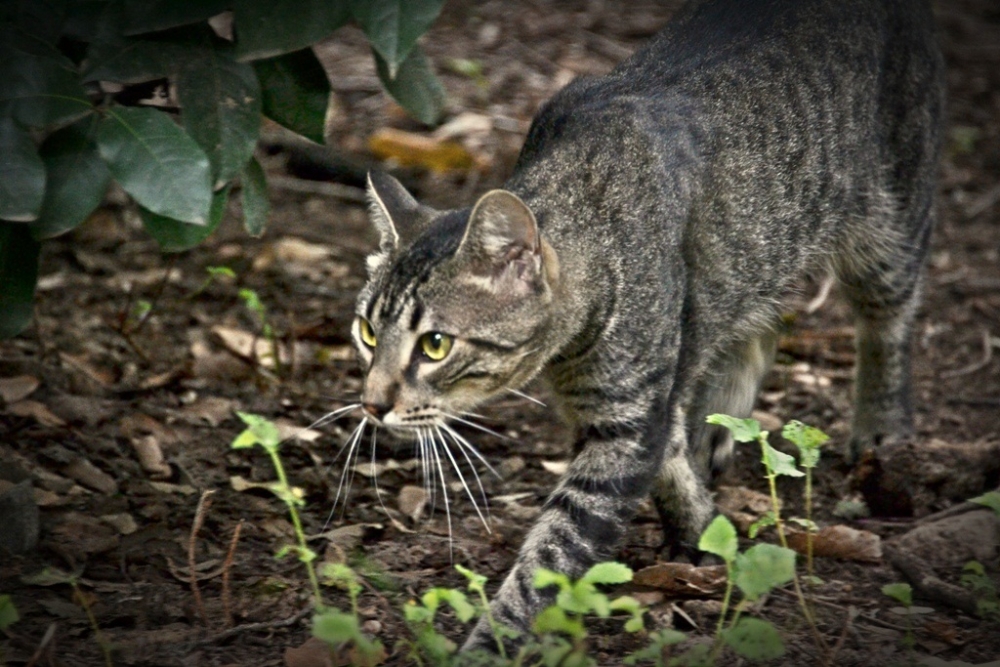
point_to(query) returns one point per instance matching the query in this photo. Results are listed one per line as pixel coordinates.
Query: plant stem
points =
(300, 534)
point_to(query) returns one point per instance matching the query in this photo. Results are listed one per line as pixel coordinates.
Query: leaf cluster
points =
(166, 98)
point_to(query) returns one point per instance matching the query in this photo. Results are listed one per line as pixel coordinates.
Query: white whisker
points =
(527, 397)
(333, 416)
(350, 446)
(476, 426)
(461, 477)
(465, 444)
(444, 492)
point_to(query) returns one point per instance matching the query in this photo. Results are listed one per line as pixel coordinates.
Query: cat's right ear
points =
(389, 205)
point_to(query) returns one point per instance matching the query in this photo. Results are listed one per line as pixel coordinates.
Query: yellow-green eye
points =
(367, 335)
(435, 345)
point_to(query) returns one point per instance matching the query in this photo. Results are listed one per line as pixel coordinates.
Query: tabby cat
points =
(636, 258)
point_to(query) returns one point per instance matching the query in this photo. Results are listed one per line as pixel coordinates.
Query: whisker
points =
(444, 492)
(462, 442)
(476, 426)
(333, 416)
(458, 471)
(527, 397)
(350, 445)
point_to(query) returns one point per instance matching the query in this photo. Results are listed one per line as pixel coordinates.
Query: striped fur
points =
(636, 257)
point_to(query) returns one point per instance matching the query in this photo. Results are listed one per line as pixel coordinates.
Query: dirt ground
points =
(131, 419)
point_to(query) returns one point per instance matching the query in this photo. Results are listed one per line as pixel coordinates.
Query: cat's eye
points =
(367, 335)
(435, 345)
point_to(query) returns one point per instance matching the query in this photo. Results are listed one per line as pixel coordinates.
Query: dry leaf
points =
(249, 346)
(16, 388)
(211, 410)
(417, 150)
(123, 523)
(556, 467)
(90, 476)
(36, 411)
(683, 579)
(289, 431)
(412, 501)
(313, 653)
(101, 376)
(841, 542)
(179, 489)
(150, 455)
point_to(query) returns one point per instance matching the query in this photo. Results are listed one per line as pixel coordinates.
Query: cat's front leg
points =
(585, 518)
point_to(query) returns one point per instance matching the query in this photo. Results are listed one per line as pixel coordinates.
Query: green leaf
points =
(335, 627)
(295, 92)
(8, 612)
(608, 573)
(39, 88)
(157, 163)
(415, 86)
(807, 438)
(477, 582)
(463, 609)
(152, 15)
(18, 275)
(263, 429)
(766, 519)
(720, 539)
(393, 26)
(989, 499)
(632, 607)
(762, 568)
(178, 236)
(22, 174)
(221, 105)
(900, 592)
(77, 180)
(128, 60)
(743, 430)
(555, 620)
(256, 205)
(779, 463)
(268, 28)
(41, 19)
(545, 578)
(754, 639)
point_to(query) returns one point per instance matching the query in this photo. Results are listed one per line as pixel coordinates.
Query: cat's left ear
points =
(502, 241)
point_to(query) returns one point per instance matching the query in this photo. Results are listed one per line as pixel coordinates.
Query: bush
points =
(166, 97)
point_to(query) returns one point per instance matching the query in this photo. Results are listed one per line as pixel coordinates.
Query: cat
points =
(636, 258)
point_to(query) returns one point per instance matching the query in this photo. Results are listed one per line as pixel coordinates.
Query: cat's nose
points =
(377, 410)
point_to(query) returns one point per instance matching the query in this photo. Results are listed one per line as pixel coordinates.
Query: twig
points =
(975, 366)
(922, 576)
(848, 623)
(253, 627)
(50, 632)
(226, 566)
(199, 518)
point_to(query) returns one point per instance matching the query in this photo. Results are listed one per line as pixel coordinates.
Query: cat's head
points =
(456, 308)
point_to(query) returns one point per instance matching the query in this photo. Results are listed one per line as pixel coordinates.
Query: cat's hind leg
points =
(882, 282)
(698, 451)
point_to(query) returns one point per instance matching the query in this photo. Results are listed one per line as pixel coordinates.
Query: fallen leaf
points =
(742, 499)
(147, 450)
(374, 469)
(79, 534)
(211, 410)
(416, 150)
(101, 376)
(683, 579)
(36, 411)
(179, 489)
(313, 653)
(290, 431)
(14, 389)
(123, 523)
(556, 467)
(91, 476)
(412, 501)
(249, 346)
(841, 542)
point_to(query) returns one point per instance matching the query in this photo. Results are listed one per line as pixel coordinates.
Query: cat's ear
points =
(502, 241)
(391, 208)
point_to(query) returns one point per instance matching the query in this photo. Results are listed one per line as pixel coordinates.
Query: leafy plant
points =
(166, 98)
(903, 593)
(264, 433)
(974, 577)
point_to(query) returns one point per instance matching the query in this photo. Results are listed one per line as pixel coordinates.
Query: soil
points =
(132, 419)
